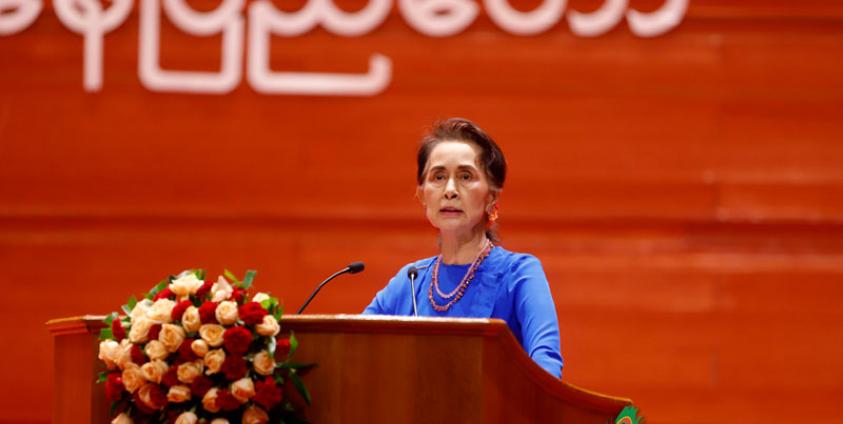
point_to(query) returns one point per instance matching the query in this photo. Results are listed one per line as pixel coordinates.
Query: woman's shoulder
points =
(512, 261)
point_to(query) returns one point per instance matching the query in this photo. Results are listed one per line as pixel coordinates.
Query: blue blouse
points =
(509, 286)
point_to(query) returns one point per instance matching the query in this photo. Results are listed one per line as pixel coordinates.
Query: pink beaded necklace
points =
(455, 295)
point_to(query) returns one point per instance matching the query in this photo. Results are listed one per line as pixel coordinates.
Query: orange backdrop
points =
(683, 192)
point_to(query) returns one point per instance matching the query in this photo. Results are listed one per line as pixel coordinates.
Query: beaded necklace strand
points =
(458, 292)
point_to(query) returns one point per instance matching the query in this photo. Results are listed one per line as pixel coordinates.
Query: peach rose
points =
(219, 421)
(243, 389)
(209, 401)
(171, 336)
(179, 394)
(156, 350)
(190, 320)
(154, 370)
(109, 352)
(140, 330)
(146, 397)
(255, 415)
(260, 297)
(161, 311)
(199, 347)
(124, 356)
(264, 363)
(227, 312)
(213, 361)
(140, 310)
(269, 326)
(212, 334)
(122, 419)
(188, 371)
(132, 377)
(221, 290)
(186, 284)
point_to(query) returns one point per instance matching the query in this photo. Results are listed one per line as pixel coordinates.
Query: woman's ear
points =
(419, 196)
(494, 197)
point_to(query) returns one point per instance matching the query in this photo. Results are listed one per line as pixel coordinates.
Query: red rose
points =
(117, 329)
(226, 401)
(204, 290)
(185, 352)
(234, 367)
(267, 393)
(138, 356)
(154, 331)
(179, 309)
(114, 386)
(252, 313)
(200, 386)
(282, 347)
(238, 295)
(163, 294)
(171, 377)
(207, 313)
(236, 340)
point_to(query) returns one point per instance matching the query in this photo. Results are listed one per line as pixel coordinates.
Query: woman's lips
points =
(450, 211)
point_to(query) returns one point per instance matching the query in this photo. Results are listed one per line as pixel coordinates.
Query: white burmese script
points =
(433, 18)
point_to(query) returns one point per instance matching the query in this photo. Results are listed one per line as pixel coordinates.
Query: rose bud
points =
(264, 363)
(269, 327)
(188, 371)
(255, 415)
(209, 401)
(227, 312)
(243, 389)
(109, 352)
(199, 347)
(171, 336)
(185, 285)
(178, 394)
(190, 319)
(140, 330)
(156, 350)
(132, 377)
(221, 290)
(214, 360)
(162, 311)
(154, 370)
(212, 334)
(260, 297)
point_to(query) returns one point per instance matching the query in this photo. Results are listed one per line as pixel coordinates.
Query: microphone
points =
(352, 268)
(413, 272)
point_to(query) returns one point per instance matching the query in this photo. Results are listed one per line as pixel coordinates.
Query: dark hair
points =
(458, 129)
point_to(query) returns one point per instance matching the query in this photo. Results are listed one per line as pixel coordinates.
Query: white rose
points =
(153, 371)
(132, 377)
(186, 285)
(109, 352)
(156, 350)
(161, 311)
(199, 347)
(140, 310)
(209, 401)
(140, 330)
(213, 361)
(255, 415)
(122, 419)
(260, 297)
(269, 326)
(171, 336)
(264, 363)
(190, 320)
(221, 290)
(124, 357)
(179, 394)
(227, 312)
(212, 334)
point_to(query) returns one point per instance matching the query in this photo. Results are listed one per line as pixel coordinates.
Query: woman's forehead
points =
(454, 153)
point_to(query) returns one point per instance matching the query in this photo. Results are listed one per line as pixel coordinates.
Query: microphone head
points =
(355, 267)
(412, 272)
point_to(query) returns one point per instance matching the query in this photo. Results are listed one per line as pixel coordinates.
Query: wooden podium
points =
(377, 370)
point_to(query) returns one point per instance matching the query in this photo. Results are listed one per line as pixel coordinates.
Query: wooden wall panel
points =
(683, 192)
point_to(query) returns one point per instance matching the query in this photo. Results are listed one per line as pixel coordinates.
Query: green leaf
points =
(300, 387)
(248, 279)
(158, 287)
(199, 273)
(110, 318)
(279, 311)
(228, 274)
(271, 345)
(106, 334)
(294, 344)
(102, 376)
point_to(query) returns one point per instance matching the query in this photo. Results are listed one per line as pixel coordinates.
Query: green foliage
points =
(102, 376)
(199, 273)
(248, 279)
(110, 318)
(299, 385)
(130, 304)
(629, 415)
(106, 334)
(158, 287)
(230, 275)
(294, 344)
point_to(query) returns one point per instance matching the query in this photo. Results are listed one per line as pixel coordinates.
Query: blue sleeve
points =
(386, 301)
(536, 313)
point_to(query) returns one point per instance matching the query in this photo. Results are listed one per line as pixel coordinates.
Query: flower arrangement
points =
(199, 351)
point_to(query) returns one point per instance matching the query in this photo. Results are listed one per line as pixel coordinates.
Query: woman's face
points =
(455, 191)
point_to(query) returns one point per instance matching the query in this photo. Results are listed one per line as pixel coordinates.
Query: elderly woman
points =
(461, 172)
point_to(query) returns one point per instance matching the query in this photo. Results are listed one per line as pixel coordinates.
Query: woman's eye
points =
(465, 176)
(438, 177)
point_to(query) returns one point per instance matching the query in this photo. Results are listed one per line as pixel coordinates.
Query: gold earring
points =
(493, 215)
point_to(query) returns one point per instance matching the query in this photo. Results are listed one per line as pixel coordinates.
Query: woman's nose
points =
(450, 189)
